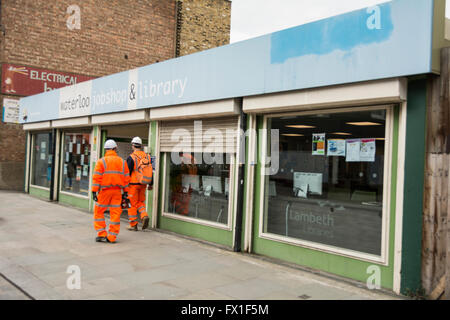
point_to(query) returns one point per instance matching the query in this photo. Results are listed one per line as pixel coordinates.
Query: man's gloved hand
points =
(125, 201)
(149, 187)
(94, 196)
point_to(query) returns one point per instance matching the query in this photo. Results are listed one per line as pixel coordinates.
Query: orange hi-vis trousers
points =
(136, 195)
(108, 199)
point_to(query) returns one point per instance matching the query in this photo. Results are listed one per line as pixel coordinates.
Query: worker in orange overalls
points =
(181, 197)
(109, 190)
(137, 190)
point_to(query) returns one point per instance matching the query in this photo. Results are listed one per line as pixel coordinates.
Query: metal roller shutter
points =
(217, 135)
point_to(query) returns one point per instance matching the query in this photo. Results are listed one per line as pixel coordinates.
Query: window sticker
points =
(336, 147)
(318, 144)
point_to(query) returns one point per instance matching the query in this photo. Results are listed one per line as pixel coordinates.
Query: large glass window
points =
(76, 163)
(42, 160)
(197, 190)
(328, 188)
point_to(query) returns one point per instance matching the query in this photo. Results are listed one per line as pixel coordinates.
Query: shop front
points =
(325, 191)
(197, 171)
(312, 155)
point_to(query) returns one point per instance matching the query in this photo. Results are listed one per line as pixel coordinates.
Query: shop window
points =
(197, 190)
(42, 160)
(328, 187)
(76, 163)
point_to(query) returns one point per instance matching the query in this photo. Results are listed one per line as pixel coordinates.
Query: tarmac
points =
(42, 243)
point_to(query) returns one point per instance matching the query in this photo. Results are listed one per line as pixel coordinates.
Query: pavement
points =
(42, 243)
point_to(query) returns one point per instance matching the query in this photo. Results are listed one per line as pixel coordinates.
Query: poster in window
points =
(353, 150)
(368, 150)
(85, 171)
(65, 168)
(336, 147)
(70, 147)
(318, 144)
(42, 155)
(78, 178)
(74, 139)
(82, 159)
(78, 148)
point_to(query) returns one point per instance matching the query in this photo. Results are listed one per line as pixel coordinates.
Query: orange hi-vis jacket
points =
(111, 172)
(136, 155)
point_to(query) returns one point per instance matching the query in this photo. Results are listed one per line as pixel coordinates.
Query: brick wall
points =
(12, 154)
(115, 35)
(204, 24)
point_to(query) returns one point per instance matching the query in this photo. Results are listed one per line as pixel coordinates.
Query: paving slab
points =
(39, 240)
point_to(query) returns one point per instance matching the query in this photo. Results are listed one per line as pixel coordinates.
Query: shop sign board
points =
(378, 42)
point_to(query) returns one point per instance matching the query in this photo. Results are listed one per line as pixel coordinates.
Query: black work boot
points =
(145, 222)
(100, 239)
(133, 228)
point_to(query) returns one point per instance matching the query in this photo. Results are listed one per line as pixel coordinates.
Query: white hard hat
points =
(110, 144)
(136, 140)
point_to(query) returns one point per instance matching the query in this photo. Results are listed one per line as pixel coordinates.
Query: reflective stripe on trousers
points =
(112, 199)
(136, 195)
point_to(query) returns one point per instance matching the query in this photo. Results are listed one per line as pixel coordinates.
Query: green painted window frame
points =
(332, 262)
(32, 155)
(61, 164)
(232, 186)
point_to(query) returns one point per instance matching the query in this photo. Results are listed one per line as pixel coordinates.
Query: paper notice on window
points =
(67, 157)
(94, 157)
(10, 110)
(74, 139)
(78, 173)
(84, 141)
(42, 155)
(353, 150)
(85, 171)
(43, 145)
(65, 169)
(78, 148)
(318, 144)
(82, 159)
(70, 147)
(367, 150)
(336, 148)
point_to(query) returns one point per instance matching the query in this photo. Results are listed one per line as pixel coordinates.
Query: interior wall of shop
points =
(340, 265)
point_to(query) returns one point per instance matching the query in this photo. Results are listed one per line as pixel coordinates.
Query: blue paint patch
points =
(343, 32)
